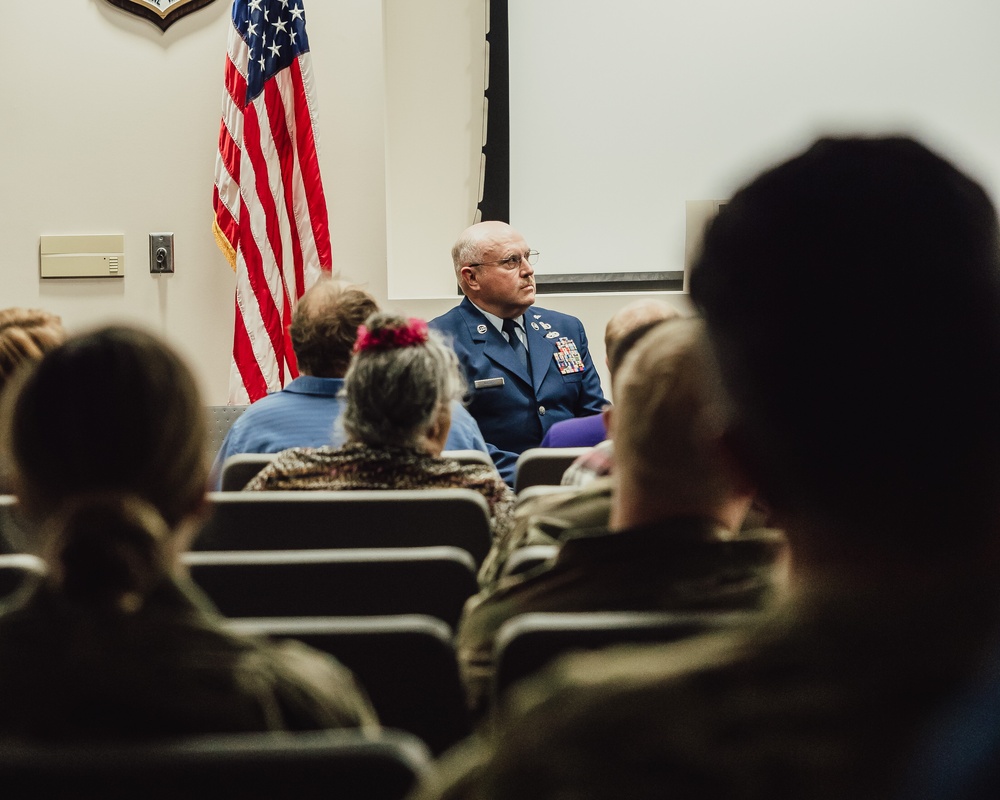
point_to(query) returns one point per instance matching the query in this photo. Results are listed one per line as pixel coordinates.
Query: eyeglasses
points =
(511, 262)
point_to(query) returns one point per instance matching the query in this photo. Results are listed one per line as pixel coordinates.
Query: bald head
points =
(473, 240)
(492, 267)
(325, 326)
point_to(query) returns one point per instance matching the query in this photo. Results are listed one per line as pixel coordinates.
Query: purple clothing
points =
(576, 432)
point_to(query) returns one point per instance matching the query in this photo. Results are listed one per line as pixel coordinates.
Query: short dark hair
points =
(325, 326)
(852, 295)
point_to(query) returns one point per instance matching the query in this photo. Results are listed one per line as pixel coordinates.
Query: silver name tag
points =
(489, 383)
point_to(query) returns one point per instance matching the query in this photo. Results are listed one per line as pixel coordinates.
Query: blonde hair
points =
(26, 334)
(668, 413)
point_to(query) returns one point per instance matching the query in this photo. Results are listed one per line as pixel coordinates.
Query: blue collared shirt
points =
(306, 413)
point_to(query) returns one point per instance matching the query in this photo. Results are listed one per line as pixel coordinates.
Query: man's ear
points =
(468, 277)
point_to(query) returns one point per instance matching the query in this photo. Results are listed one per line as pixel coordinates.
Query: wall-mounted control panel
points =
(85, 256)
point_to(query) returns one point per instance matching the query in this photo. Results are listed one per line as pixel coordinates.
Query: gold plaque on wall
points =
(161, 12)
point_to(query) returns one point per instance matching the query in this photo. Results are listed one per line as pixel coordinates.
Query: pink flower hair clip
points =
(412, 334)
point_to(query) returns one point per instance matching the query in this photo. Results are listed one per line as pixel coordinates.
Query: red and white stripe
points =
(270, 216)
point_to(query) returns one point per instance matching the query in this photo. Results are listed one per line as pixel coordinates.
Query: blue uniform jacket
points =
(514, 412)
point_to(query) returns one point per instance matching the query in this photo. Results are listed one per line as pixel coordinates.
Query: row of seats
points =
(407, 662)
(539, 466)
(264, 766)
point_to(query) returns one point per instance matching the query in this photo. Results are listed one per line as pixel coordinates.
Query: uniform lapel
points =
(540, 349)
(495, 347)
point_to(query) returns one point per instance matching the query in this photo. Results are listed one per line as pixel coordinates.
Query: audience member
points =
(26, 334)
(599, 460)
(106, 436)
(676, 507)
(520, 386)
(399, 391)
(875, 437)
(307, 411)
(589, 431)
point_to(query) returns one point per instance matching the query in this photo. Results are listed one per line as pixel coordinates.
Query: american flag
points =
(270, 210)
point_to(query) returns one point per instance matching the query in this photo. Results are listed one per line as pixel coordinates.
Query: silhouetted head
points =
(106, 437)
(852, 295)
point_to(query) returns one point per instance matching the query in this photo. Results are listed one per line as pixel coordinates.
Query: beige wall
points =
(110, 126)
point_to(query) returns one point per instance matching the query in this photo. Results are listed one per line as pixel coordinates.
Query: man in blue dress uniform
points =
(527, 367)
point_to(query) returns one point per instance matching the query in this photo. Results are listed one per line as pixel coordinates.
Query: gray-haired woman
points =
(399, 390)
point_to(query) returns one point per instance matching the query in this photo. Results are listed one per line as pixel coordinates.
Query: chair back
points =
(240, 469)
(314, 764)
(354, 582)
(15, 569)
(220, 419)
(407, 665)
(544, 465)
(528, 642)
(12, 538)
(319, 520)
(469, 457)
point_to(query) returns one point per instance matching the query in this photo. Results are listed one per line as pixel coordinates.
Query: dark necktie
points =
(510, 328)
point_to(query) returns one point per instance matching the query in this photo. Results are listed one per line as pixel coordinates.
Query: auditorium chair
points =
(406, 664)
(11, 525)
(383, 765)
(469, 457)
(544, 465)
(240, 469)
(15, 569)
(528, 642)
(355, 582)
(318, 520)
(220, 419)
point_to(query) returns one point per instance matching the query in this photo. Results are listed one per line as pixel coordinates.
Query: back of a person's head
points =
(639, 314)
(401, 376)
(624, 344)
(667, 418)
(852, 295)
(325, 326)
(105, 433)
(26, 334)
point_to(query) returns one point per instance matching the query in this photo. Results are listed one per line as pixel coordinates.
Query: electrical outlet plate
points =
(161, 253)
